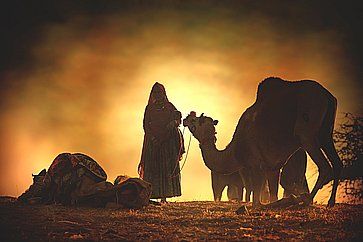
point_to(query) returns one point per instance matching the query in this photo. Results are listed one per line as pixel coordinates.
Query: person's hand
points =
(171, 125)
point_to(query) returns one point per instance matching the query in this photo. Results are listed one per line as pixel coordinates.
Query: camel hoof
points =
(331, 203)
(306, 199)
(242, 211)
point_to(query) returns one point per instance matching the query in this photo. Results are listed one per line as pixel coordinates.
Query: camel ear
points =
(215, 122)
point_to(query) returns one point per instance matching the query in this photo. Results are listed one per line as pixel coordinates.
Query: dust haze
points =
(90, 77)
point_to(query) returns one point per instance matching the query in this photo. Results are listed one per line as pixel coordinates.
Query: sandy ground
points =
(179, 221)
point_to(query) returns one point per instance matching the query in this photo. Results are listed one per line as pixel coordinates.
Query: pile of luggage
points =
(78, 180)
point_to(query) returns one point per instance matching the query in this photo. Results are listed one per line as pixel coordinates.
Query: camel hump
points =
(270, 87)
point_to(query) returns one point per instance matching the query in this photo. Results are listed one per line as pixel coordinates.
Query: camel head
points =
(201, 127)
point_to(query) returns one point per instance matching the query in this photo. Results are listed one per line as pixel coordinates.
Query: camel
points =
(285, 117)
(292, 179)
(234, 185)
(232, 181)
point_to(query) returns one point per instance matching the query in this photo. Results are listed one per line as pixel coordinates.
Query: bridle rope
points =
(185, 158)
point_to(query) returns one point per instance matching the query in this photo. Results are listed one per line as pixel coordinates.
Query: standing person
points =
(163, 145)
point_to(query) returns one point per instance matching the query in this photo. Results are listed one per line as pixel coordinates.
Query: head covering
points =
(157, 87)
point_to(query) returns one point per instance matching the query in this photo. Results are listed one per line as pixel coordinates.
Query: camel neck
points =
(221, 161)
(208, 143)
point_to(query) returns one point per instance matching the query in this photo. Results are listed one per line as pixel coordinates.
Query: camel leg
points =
(273, 184)
(217, 193)
(337, 164)
(247, 182)
(304, 186)
(265, 192)
(236, 193)
(256, 202)
(258, 180)
(325, 170)
(232, 192)
(217, 186)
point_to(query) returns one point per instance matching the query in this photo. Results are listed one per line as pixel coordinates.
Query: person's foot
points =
(163, 200)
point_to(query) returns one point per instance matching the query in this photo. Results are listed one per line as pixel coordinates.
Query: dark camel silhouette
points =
(292, 179)
(286, 116)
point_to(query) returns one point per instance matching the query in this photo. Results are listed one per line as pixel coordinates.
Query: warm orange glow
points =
(89, 87)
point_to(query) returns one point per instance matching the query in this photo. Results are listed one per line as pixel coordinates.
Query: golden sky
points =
(90, 78)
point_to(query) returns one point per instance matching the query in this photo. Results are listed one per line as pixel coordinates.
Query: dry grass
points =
(179, 221)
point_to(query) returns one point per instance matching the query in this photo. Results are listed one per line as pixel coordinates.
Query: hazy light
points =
(89, 87)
